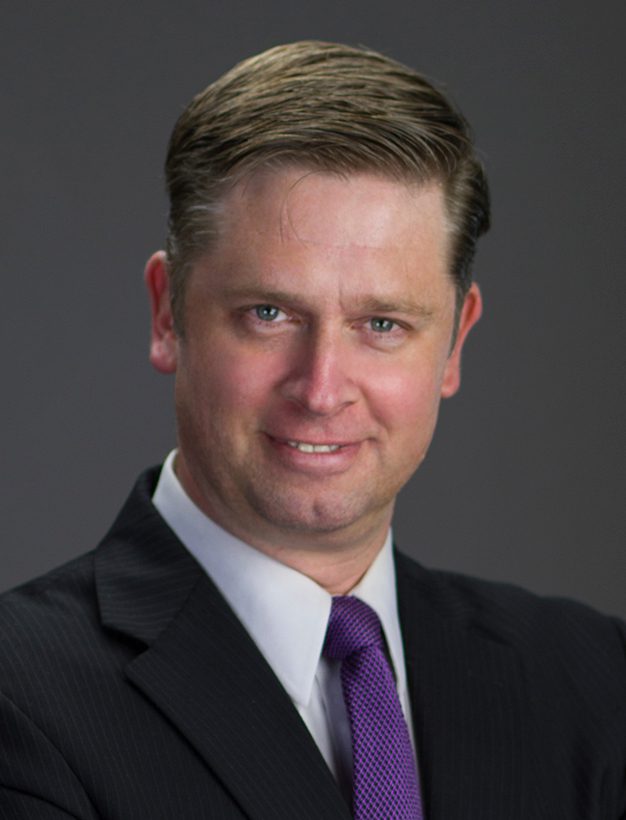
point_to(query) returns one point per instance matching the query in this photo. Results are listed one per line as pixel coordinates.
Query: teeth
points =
(313, 448)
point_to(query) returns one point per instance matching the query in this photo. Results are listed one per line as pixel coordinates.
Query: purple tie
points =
(385, 778)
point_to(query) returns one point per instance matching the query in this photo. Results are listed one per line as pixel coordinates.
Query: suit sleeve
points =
(36, 783)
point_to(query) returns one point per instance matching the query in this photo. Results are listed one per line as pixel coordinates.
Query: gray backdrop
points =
(525, 479)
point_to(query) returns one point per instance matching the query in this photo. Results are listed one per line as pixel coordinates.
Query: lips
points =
(314, 458)
(309, 447)
(312, 446)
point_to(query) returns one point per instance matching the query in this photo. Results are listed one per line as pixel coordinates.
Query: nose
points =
(320, 379)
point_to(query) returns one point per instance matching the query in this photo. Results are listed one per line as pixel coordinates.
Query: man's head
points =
(325, 206)
(325, 107)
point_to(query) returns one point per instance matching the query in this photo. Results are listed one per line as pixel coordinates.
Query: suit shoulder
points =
(64, 600)
(47, 625)
(571, 657)
(43, 600)
(537, 625)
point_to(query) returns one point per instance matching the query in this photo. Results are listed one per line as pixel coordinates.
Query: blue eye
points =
(266, 313)
(381, 325)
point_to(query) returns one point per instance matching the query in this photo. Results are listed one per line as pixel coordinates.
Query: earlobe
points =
(163, 338)
(470, 313)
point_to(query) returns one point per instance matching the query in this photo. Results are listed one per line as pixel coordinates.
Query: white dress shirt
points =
(286, 613)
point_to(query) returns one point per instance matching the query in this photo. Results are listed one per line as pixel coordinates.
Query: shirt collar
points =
(284, 611)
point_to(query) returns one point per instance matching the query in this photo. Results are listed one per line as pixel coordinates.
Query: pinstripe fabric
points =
(128, 689)
(519, 702)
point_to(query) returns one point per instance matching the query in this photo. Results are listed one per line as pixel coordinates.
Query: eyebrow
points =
(374, 305)
(370, 305)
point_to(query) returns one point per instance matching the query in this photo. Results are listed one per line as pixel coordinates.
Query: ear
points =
(163, 338)
(470, 313)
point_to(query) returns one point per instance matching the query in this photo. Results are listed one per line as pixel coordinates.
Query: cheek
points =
(228, 382)
(407, 404)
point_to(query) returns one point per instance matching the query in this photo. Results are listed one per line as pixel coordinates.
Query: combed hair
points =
(327, 107)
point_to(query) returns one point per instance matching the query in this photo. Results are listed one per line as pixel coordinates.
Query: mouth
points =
(309, 447)
(314, 458)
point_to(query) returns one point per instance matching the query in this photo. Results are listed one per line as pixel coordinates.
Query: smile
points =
(305, 447)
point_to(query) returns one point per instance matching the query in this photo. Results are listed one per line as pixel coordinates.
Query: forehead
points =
(330, 237)
(340, 211)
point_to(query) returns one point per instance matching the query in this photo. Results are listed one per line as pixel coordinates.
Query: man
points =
(245, 643)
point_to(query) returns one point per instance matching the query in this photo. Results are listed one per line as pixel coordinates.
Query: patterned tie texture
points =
(385, 784)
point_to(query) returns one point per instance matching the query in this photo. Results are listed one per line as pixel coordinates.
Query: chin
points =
(322, 514)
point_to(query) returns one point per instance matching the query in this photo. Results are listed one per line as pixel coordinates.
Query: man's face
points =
(316, 349)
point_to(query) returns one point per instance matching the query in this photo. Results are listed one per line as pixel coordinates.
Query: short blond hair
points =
(322, 106)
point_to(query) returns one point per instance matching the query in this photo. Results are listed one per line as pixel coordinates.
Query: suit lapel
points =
(205, 674)
(208, 677)
(468, 703)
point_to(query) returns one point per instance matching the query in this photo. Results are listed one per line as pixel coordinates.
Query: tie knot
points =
(353, 625)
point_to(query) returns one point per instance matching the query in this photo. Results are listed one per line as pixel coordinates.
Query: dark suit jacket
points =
(128, 689)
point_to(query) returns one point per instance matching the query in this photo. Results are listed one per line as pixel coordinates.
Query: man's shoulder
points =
(52, 644)
(44, 603)
(512, 608)
(57, 620)
(68, 591)
(545, 631)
